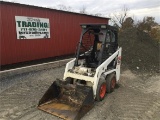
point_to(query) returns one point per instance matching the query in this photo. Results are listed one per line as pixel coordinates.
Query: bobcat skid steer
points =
(88, 77)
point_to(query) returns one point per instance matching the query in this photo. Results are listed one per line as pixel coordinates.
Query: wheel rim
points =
(113, 83)
(103, 90)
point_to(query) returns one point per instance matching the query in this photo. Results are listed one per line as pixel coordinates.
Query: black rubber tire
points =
(69, 80)
(98, 97)
(109, 79)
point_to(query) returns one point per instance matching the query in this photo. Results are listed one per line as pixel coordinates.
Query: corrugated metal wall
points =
(64, 30)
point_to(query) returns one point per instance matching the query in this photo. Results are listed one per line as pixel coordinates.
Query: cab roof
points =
(99, 25)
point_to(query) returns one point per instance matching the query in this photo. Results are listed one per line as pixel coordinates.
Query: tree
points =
(128, 23)
(98, 14)
(151, 27)
(119, 17)
(83, 10)
(64, 8)
(147, 24)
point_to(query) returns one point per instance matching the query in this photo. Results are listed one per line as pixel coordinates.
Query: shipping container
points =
(61, 29)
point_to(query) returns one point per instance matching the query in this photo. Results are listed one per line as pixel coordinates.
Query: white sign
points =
(32, 27)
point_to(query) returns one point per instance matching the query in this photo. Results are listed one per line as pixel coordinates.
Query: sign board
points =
(32, 27)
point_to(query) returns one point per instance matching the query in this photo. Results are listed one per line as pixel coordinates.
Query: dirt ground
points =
(136, 97)
(139, 51)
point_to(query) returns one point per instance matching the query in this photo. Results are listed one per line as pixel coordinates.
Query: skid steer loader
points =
(88, 77)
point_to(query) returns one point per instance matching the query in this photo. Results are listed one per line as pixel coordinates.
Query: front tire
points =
(101, 90)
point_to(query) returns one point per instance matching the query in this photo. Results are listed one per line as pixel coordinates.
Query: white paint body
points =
(101, 70)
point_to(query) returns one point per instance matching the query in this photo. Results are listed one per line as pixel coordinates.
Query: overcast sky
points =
(137, 8)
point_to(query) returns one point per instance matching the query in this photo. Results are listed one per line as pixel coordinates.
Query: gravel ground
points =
(136, 97)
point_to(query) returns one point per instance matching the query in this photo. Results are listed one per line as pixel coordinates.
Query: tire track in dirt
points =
(133, 106)
(130, 101)
(142, 101)
(19, 102)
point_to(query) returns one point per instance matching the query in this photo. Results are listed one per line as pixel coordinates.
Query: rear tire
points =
(111, 82)
(101, 90)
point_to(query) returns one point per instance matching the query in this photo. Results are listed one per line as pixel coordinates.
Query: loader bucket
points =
(67, 101)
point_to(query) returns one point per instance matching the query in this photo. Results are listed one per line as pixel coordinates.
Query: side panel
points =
(118, 67)
(64, 30)
(103, 67)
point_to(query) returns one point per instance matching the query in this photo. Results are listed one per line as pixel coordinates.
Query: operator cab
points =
(97, 43)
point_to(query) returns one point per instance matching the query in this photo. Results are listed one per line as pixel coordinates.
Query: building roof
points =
(19, 4)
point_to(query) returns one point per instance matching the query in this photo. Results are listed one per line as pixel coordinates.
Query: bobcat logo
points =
(46, 35)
